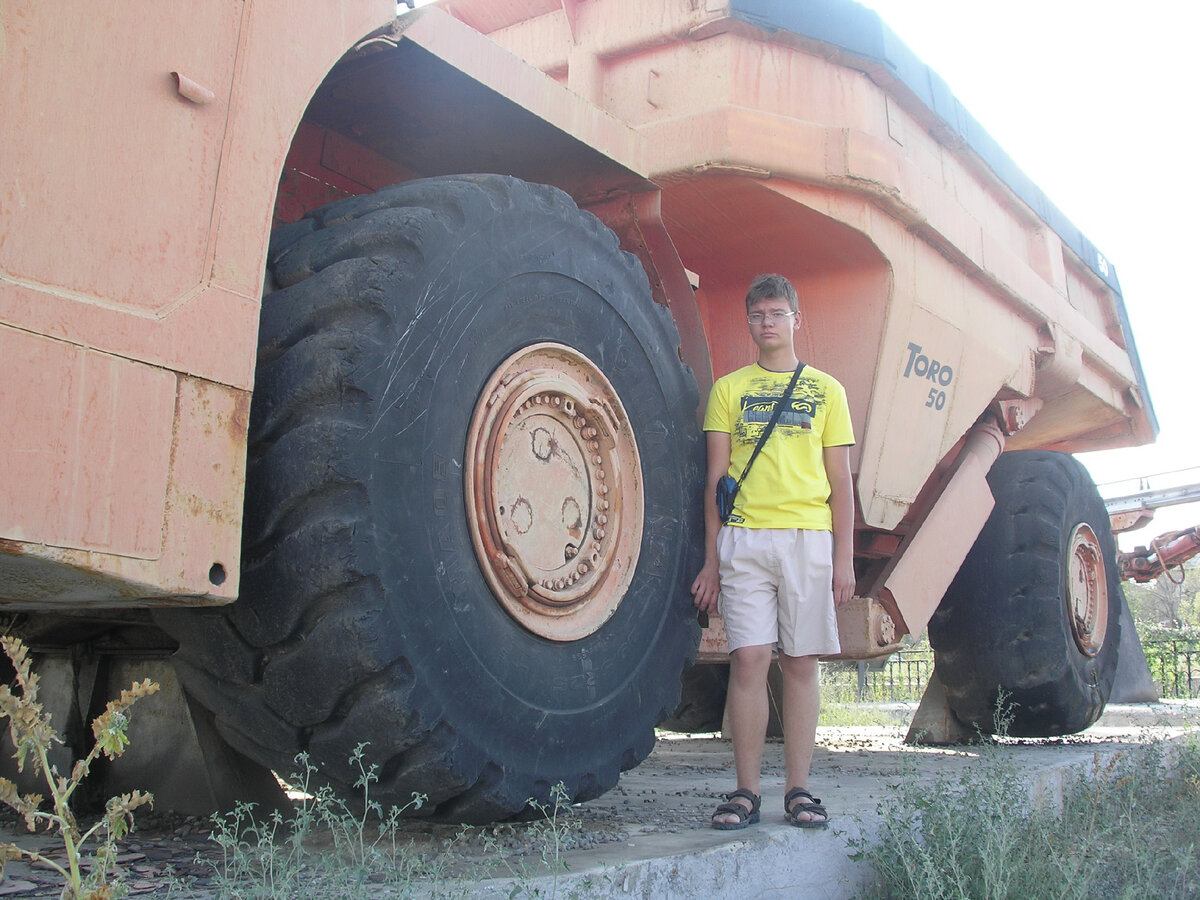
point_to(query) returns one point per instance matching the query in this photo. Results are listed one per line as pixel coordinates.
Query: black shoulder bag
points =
(727, 488)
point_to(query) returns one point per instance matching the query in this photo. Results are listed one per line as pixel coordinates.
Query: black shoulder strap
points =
(762, 438)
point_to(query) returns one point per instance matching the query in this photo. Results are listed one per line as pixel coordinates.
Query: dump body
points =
(717, 140)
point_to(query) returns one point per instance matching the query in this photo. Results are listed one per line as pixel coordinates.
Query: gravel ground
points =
(659, 809)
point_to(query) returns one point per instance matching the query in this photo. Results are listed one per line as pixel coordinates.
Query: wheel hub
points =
(554, 492)
(1087, 590)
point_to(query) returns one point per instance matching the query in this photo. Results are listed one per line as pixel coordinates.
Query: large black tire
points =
(364, 616)
(1005, 626)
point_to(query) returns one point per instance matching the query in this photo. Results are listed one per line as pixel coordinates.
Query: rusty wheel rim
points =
(550, 453)
(1087, 590)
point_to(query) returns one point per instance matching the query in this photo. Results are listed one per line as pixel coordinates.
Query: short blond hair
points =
(772, 287)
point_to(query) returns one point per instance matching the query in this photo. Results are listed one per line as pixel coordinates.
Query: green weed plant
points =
(87, 874)
(329, 847)
(1125, 829)
(325, 847)
(547, 836)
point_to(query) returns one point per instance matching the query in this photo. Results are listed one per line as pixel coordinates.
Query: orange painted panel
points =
(204, 523)
(88, 439)
(134, 218)
(38, 394)
(108, 186)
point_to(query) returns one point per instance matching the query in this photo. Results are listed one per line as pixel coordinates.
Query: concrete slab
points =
(651, 835)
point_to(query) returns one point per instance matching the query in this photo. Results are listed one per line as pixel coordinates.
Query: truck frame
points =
(432, 482)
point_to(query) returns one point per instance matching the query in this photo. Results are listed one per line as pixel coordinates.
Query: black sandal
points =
(805, 803)
(737, 809)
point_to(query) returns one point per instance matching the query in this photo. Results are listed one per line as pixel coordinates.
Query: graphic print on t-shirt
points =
(758, 403)
(787, 487)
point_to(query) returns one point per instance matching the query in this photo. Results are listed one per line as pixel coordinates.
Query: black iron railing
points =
(899, 677)
(1174, 666)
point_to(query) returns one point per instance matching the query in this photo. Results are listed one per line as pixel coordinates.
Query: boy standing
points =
(786, 555)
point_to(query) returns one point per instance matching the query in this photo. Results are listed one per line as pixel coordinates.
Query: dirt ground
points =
(659, 810)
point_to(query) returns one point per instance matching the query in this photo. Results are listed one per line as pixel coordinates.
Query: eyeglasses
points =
(759, 318)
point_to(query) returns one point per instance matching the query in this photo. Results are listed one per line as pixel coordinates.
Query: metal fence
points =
(1174, 666)
(899, 677)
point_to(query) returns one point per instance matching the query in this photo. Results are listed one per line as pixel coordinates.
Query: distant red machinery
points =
(1168, 550)
(1165, 552)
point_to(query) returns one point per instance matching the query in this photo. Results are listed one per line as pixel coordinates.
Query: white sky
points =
(1095, 101)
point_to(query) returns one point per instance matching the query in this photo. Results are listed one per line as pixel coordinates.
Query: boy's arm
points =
(707, 586)
(841, 504)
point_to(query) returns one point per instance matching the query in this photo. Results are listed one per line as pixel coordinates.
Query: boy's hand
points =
(707, 587)
(843, 583)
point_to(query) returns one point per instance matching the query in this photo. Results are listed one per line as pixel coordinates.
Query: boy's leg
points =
(748, 710)
(801, 708)
(807, 631)
(748, 606)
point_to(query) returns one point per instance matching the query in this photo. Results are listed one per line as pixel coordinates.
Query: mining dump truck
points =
(354, 362)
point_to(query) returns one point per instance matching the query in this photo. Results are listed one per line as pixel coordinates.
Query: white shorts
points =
(777, 587)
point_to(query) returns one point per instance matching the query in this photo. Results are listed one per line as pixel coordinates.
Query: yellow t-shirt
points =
(787, 486)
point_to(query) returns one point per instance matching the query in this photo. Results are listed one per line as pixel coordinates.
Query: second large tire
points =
(364, 616)
(1025, 639)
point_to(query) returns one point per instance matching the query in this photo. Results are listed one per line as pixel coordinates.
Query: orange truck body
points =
(149, 153)
(144, 161)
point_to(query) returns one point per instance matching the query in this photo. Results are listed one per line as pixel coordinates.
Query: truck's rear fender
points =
(431, 96)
